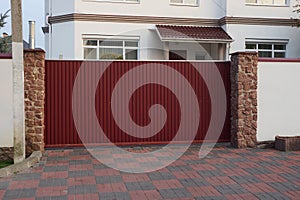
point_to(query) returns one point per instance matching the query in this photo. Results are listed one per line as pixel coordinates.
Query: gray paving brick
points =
(241, 159)
(57, 158)
(83, 189)
(80, 162)
(55, 168)
(29, 176)
(20, 193)
(99, 166)
(107, 196)
(4, 185)
(230, 189)
(182, 193)
(291, 177)
(245, 179)
(167, 194)
(179, 168)
(271, 196)
(210, 173)
(53, 182)
(258, 171)
(174, 193)
(74, 174)
(210, 198)
(131, 186)
(52, 198)
(122, 196)
(108, 179)
(193, 182)
(284, 187)
(225, 166)
(161, 176)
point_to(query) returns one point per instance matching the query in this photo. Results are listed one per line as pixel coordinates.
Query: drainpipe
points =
(31, 34)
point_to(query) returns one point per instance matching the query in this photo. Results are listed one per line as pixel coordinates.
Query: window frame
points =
(185, 4)
(258, 3)
(123, 47)
(272, 50)
(114, 1)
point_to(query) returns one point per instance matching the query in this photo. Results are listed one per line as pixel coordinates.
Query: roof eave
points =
(196, 40)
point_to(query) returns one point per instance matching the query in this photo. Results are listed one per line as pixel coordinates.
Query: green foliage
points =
(5, 44)
(297, 10)
(3, 18)
(5, 163)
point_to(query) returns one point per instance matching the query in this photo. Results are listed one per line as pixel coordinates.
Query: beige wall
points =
(278, 99)
(6, 91)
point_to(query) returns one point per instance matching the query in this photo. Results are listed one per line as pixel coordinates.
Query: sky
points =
(32, 10)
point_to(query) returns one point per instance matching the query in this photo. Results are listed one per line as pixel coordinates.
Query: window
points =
(126, 1)
(184, 2)
(267, 50)
(110, 49)
(268, 2)
(177, 55)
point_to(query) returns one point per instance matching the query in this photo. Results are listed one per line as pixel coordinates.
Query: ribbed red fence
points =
(60, 80)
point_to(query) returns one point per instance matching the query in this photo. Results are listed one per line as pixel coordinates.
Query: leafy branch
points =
(297, 10)
(2, 18)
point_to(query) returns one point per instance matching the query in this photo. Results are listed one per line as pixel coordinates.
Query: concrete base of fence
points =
(26, 164)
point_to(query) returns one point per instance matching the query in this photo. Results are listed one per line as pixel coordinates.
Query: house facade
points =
(169, 29)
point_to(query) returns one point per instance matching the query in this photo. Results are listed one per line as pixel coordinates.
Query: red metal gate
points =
(61, 129)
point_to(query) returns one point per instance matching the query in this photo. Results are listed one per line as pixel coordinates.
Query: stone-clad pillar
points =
(34, 72)
(244, 99)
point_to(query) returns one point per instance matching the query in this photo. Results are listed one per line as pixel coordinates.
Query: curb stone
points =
(34, 158)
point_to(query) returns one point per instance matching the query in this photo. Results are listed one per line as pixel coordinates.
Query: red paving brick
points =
(224, 174)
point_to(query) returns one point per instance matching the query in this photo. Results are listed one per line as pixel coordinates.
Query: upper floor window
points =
(126, 1)
(267, 50)
(184, 2)
(110, 49)
(268, 2)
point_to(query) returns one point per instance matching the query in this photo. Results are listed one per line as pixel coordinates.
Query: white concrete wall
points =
(278, 100)
(59, 7)
(240, 32)
(238, 8)
(69, 43)
(206, 8)
(6, 106)
(62, 41)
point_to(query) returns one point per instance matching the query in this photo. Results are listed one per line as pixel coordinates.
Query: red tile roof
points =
(170, 32)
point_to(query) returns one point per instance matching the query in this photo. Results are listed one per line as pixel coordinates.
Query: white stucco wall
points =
(241, 9)
(59, 7)
(278, 100)
(206, 8)
(67, 40)
(62, 42)
(240, 32)
(6, 106)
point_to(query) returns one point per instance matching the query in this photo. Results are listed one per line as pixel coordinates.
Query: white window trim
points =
(123, 47)
(185, 4)
(112, 1)
(269, 5)
(268, 42)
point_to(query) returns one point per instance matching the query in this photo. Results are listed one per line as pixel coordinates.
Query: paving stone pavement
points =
(226, 173)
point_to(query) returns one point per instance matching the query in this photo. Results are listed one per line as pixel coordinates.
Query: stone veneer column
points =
(34, 72)
(243, 99)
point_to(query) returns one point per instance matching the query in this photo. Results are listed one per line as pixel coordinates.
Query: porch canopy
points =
(194, 42)
(172, 33)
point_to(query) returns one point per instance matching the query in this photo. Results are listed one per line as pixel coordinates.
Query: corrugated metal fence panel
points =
(60, 79)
